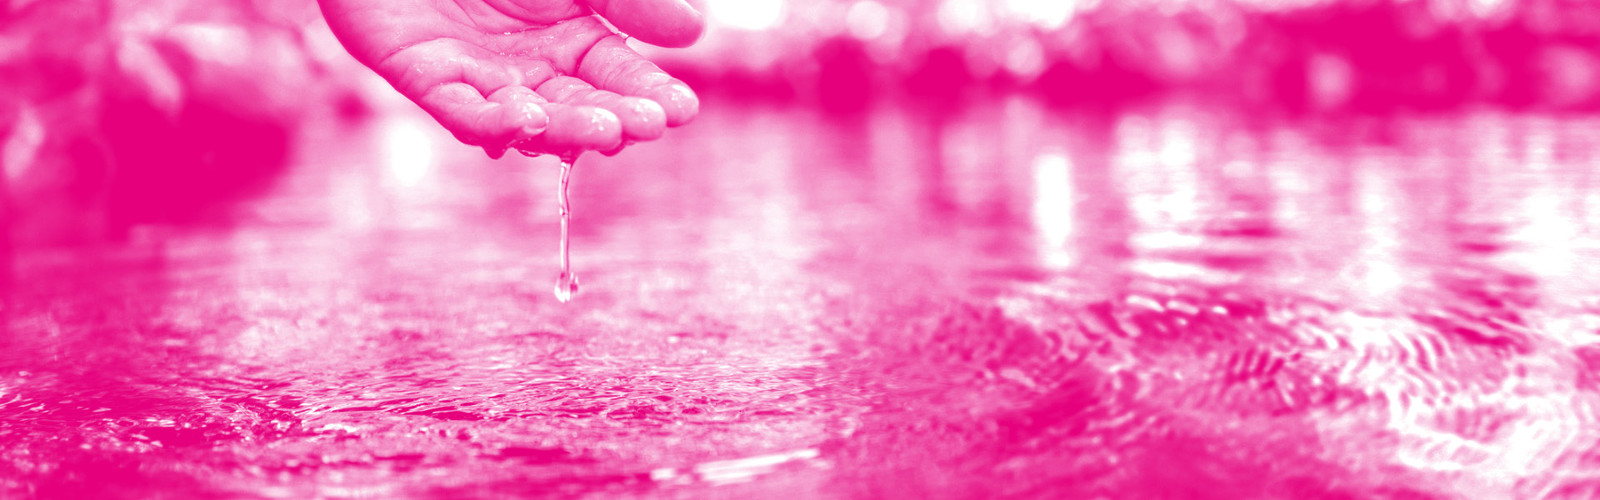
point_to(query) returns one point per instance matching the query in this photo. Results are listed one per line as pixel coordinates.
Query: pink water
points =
(1165, 301)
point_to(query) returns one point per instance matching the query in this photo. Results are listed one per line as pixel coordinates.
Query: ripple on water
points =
(1464, 400)
(1052, 392)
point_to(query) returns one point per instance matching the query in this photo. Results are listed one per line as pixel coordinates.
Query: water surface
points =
(1003, 300)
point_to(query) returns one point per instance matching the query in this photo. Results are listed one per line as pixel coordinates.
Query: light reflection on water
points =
(1005, 300)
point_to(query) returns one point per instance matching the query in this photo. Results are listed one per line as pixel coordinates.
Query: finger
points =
(611, 65)
(642, 119)
(524, 107)
(667, 23)
(419, 68)
(573, 129)
(450, 79)
(508, 117)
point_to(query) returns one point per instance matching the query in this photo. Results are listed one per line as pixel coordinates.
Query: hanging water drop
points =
(566, 282)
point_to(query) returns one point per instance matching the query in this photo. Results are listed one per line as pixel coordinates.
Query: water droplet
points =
(566, 287)
(566, 282)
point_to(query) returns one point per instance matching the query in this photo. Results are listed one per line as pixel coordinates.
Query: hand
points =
(543, 76)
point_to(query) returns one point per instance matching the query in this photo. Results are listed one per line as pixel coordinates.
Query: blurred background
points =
(1322, 55)
(230, 83)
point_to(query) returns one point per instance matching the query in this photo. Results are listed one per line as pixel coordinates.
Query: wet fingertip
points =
(678, 102)
(535, 129)
(645, 119)
(605, 119)
(531, 119)
(620, 147)
(605, 129)
(581, 128)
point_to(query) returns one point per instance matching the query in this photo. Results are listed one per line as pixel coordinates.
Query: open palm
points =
(542, 76)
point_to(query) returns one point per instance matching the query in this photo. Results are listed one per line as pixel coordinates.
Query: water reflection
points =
(999, 299)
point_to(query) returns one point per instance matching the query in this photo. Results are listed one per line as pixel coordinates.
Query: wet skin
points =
(541, 76)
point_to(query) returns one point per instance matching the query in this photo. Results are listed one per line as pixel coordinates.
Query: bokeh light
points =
(755, 15)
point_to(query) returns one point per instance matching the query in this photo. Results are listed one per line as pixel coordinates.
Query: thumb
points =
(667, 23)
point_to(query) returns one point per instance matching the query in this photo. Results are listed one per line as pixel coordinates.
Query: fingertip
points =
(665, 23)
(520, 112)
(606, 133)
(533, 118)
(523, 120)
(643, 119)
(678, 101)
(690, 25)
(580, 128)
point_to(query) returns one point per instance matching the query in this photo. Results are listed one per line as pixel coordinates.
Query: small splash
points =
(566, 282)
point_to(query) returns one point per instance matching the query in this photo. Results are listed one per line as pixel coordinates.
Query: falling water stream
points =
(567, 282)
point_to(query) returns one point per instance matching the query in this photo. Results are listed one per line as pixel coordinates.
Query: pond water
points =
(1001, 300)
